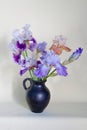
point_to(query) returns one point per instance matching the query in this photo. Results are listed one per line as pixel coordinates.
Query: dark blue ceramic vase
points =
(37, 95)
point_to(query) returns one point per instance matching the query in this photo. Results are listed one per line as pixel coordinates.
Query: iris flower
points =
(49, 60)
(75, 55)
(41, 46)
(59, 45)
(27, 64)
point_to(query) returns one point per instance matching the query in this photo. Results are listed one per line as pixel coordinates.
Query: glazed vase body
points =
(37, 95)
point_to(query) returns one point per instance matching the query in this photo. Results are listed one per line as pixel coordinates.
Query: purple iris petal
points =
(41, 71)
(76, 54)
(23, 71)
(38, 62)
(33, 39)
(50, 58)
(21, 46)
(61, 70)
(41, 46)
(27, 64)
(16, 58)
(32, 46)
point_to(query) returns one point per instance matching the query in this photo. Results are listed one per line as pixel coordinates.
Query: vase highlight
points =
(37, 95)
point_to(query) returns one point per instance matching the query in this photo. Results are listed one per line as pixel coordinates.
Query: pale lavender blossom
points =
(23, 35)
(26, 33)
(50, 58)
(47, 61)
(41, 71)
(16, 33)
(14, 47)
(41, 46)
(61, 70)
(17, 36)
(53, 60)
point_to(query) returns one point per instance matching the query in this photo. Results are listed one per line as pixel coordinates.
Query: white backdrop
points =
(47, 19)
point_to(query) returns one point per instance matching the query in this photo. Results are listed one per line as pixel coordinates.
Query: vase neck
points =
(37, 84)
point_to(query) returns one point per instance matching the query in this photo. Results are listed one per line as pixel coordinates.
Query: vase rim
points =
(40, 81)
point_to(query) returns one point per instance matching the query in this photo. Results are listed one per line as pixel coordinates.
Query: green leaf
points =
(53, 74)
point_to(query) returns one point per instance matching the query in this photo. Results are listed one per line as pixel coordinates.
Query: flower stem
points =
(23, 54)
(49, 74)
(30, 74)
(26, 54)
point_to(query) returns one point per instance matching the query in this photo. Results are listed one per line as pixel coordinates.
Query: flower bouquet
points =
(40, 63)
